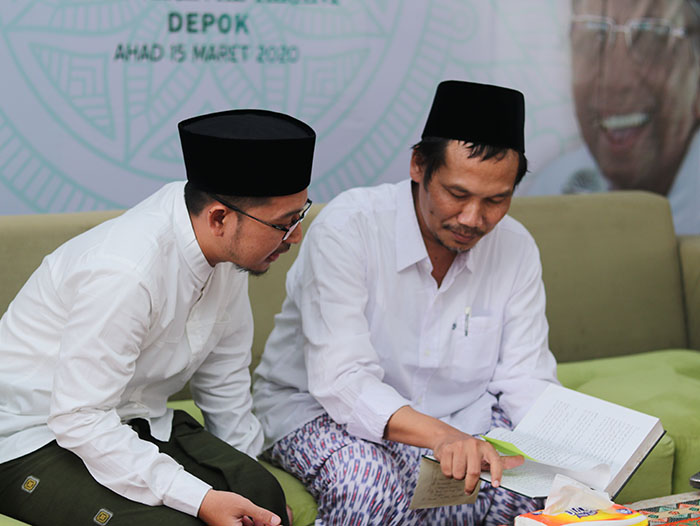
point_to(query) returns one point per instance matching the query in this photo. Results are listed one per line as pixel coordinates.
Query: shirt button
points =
(426, 352)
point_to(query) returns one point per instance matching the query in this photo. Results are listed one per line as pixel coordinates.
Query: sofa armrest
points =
(689, 249)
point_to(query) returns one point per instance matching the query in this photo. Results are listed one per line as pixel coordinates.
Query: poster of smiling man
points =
(636, 91)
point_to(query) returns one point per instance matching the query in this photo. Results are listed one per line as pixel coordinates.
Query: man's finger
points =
(512, 461)
(459, 466)
(495, 466)
(446, 463)
(505, 462)
(262, 516)
(472, 477)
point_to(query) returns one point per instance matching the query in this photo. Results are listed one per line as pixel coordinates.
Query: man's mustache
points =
(466, 231)
(284, 247)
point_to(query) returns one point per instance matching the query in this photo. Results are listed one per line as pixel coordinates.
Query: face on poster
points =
(636, 86)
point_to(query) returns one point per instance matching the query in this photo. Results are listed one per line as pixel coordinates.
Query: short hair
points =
(430, 155)
(196, 200)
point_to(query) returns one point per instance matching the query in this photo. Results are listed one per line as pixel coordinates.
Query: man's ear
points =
(217, 215)
(416, 170)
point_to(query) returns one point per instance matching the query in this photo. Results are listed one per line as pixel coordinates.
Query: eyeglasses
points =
(649, 40)
(286, 229)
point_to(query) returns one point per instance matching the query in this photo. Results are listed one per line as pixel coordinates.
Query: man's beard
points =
(250, 271)
(463, 232)
(283, 248)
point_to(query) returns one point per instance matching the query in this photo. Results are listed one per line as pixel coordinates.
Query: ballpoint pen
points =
(467, 313)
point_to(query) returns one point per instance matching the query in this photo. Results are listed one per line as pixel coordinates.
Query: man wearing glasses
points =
(636, 86)
(414, 320)
(121, 317)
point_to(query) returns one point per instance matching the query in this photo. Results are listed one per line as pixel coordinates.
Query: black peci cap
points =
(480, 113)
(247, 153)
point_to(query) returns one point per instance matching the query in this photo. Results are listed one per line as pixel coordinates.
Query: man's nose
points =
(617, 62)
(471, 214)
(296, 235)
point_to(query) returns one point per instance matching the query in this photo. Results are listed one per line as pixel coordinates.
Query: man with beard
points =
(119, 318)
(414, 320)
(636, 86)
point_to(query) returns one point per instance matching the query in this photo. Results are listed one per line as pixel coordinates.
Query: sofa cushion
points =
(302, 503)
(611, 270)
(665, 384)
(689, 251)
(8, 521)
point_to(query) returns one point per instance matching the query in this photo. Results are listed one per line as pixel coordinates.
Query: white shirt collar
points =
(410, 247)
(187, 242)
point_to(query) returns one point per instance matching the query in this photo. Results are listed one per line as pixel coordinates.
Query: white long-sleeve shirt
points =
(365, 330)
(111, 324)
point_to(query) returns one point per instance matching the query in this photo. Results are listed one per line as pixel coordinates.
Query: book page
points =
(590, 440)
(534, 479)
(587, 426)
(434, 489)
(530, 479)
(583, 469)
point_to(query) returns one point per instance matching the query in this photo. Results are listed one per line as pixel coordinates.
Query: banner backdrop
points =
(91, 91)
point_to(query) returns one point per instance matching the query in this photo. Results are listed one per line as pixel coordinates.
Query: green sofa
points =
(623, 302)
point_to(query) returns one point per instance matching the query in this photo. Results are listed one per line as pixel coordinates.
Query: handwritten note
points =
(434, 489)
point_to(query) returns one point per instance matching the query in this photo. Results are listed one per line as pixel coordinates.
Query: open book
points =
(598, 443)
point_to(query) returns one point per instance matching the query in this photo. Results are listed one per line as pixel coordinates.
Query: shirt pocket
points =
(473, 350)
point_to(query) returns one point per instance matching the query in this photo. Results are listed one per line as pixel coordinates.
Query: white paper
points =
(434, 489)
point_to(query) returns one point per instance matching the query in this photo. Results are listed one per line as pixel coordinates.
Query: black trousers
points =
(52, 487)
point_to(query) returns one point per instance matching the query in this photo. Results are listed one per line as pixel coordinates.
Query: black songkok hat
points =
(247, 153)
(478, 113)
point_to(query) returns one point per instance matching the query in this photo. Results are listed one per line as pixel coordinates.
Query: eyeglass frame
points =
(287, 230)
(626, 28)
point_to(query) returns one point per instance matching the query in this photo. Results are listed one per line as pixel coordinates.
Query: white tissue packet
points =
(568, 493)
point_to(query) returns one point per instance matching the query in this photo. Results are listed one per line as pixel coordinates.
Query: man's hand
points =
(224, 508)
(462, 456)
